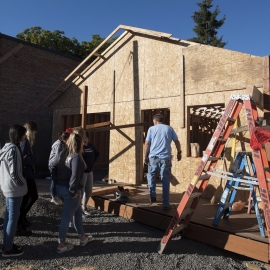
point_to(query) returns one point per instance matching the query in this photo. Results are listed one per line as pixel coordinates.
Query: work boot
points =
(153, 199)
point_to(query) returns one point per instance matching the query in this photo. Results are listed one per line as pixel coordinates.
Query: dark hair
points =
(16, 132)
(63, 136)
(87, 134)
(31, 125)
(158, 117)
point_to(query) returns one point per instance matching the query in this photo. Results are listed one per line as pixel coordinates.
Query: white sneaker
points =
(55, 201)
(87, 213)
(59, 201)
(86, 241)
(65, 248)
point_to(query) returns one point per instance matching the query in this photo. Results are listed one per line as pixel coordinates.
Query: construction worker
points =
(157, 155)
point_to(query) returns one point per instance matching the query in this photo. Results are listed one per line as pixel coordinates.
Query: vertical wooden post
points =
(266, 86)
(84, 106)
(182, 92)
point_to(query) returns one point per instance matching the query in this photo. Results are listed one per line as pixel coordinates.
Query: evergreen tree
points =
(207, 24)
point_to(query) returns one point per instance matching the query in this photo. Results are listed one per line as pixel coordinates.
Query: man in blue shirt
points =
(157, 155)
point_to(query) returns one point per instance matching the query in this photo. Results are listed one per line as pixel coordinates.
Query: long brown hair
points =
(74, 145)
(31, 129)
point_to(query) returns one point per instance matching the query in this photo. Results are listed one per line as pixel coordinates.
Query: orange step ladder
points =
(210, 158)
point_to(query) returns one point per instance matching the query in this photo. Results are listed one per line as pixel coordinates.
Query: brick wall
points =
(26, 79)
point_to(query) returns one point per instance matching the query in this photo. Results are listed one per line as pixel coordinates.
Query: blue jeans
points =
(163, 166)
(53, 189)
(13, 206)
(71, 208)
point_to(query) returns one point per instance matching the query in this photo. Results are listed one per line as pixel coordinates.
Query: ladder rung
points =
(179, 228)
(195, 195)
(213, 158)
(187, 212)
(222, 140)
(203, 177)
(242, 188)
(231, 119)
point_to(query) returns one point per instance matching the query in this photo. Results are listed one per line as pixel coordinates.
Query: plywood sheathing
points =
(141, 73)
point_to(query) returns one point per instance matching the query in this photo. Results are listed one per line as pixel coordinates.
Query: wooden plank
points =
(126, 211)
(84, 106)
(144, 31)
(257, 96)
(247, 247)
(102, 124)
(182, 93)
(6, 56)
(104, 190)
(116, 127)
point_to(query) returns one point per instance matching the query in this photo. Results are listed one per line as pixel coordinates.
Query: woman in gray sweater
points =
(69, 172)
(14, 187)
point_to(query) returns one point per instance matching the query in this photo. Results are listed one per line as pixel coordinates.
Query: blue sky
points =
(246, 27)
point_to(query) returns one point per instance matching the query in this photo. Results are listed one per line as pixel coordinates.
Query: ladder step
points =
(241, 188)
(195, 195)
(203, 177)
(231, 119)
(213, 158)
(179, 228)
(187, 211)
(222, 140)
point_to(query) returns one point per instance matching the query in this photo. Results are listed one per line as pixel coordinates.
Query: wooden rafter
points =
(6, 56)
(120, 27)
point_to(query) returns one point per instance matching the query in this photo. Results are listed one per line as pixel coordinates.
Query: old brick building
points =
(27, 74)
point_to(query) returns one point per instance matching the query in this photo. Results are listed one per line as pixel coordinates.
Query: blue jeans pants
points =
(13, 206)
(163, 166)
(71, 208)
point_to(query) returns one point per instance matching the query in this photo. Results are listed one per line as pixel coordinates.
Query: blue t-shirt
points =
(160, 136)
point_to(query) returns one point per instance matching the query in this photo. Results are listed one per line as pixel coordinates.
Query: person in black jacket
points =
(69, 175)
(90, 155)
(29, 161)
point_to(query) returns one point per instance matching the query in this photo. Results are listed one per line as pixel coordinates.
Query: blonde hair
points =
(74, 145)
(31, 129)
(80, 132)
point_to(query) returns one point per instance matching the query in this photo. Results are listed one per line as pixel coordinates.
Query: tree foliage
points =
(207, 24)
(57, 40)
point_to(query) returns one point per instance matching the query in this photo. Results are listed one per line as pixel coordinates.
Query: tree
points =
(207, 24)
(56, 40)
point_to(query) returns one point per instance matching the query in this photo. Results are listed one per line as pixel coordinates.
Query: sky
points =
(246, 28)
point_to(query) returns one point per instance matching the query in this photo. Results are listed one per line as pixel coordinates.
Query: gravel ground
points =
(118, 243)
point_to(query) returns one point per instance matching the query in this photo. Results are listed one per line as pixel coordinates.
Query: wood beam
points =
(99, 55)
(102, 124)
(266, 86)
(6, 56)
(84, 106)
(117, 127)
(124, 27)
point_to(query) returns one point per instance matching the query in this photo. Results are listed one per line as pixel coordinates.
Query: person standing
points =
(90, 155)
(29, 160)
(69, 175)
(14, 187)
(157, 155)
(57, 148)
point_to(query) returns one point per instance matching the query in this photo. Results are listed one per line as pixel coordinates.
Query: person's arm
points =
(146, 151)
(76, 167)
(12, 161)
(178, 147)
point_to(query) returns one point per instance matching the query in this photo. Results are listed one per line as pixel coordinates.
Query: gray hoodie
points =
(12, 182)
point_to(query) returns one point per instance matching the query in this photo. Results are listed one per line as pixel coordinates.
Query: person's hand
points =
(75, 196)
(179, 155)
(146, 160)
